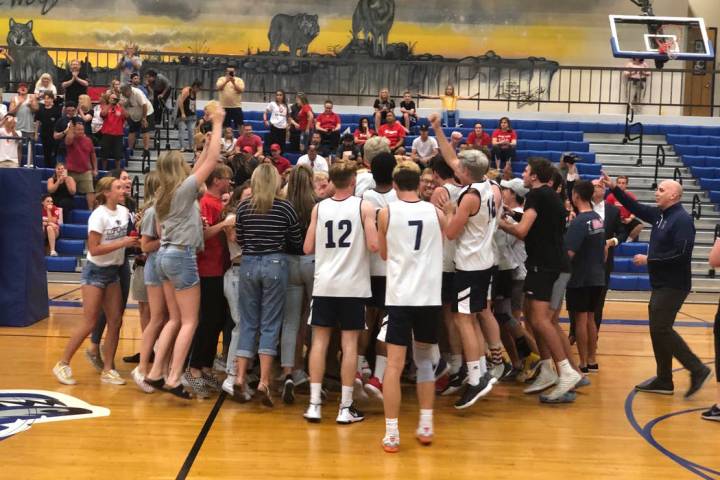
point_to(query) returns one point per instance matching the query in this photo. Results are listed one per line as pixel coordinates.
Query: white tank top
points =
(379, 201)
(449, 245)
(414, 264)
(342, 260)
(474, 250)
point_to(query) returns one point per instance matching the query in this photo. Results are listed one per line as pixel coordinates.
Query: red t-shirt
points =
(253, 142)
(281, 163)
(114, 121)
(484, 140)
(304, 117)
(212, 260)
(363, 137)
(392, 132)
(504, 136)
(78, 155)
(624, 212)
(54, 211)
(328, 121)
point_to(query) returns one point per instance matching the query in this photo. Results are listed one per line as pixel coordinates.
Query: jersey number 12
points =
(343, 225)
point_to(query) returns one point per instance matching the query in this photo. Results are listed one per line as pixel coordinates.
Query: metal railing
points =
(135, 190)
(696, 207)
(659, 162)
(530, 84)
(630, 123)
(677, 175)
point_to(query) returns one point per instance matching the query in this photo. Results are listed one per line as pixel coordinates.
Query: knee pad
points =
(423, 358)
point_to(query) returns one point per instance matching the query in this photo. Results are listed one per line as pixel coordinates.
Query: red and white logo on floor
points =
(20, 409)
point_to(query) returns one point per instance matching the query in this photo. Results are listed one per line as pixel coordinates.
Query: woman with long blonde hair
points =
(181, 235)
(44, 85)
(266, 228)
(107, 241)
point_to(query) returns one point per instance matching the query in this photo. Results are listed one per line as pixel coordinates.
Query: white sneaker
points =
(313, 413)
(545, 379)
(228, 384)
(565, 383)
(348, 415)
(63, 373)
(497, 371)
(424, 435)
(53, 253)
(112, 377)
(139, 379)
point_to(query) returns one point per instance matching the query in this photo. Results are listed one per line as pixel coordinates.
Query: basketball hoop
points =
(669, 49)
(668, 39)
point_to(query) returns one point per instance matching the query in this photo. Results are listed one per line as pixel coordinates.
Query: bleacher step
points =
(618, 139)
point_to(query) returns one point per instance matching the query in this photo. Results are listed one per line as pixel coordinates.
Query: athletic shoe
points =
(564, 385)
(95, 360)
(424, 435)
(512, 375)
(584, 370)
(228, 385)
(365, 370)
(441, 384)
(358, 388)
(583, 382)
(530, 366)
(313, 413)
(132, 358)
(441, 369)
(348, 415)
(240, 393)
(497, 370)
(655, 385)
(139, 379)
(53, 253)
(211, 381)
(196, 384)
(473, 393)
(220, 364)
(374, 387)
(299, 377)
(697, 380)
(156, 384)
(568, 397)
(455, 383)
(179, 391)
(713, 414)
(593, 367)
(288, 390)
(545, 379)
(63, 373)
(112, 377)
(391, 444)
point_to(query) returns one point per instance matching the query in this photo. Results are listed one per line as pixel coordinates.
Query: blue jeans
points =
(150, 273)
(186, 129)
(446, 118)
(231, 287)
(97, 276)
(177, 265)
(123, 272)
(300, 285)
(263, 283)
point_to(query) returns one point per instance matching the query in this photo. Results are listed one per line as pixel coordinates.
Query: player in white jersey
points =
(472, 223)
(448, 191)
(379, 197)
(411, 239)
(342, 234)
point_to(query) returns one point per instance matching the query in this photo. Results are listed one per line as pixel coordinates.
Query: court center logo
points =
(20, 409)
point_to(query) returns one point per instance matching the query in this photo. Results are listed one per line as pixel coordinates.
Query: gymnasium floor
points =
(608, 433)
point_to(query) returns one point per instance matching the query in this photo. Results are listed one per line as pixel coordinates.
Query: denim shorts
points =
(99, 277)
(177, 264)
(151, 276)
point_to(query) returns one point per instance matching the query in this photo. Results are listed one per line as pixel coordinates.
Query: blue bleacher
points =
(69, 247)
(60, 264)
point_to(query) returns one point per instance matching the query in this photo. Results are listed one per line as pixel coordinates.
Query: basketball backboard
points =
(659, 38)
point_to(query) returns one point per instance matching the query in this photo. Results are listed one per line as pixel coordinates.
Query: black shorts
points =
(136, 127)
(408, 323)
(345, 313)
(502, 284)
(471, 289)
(582, 299)
(539, 285)
(448, 288)
(377, 287)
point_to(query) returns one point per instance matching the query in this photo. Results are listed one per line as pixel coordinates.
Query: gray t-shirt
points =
(183, 226)
(148, 227)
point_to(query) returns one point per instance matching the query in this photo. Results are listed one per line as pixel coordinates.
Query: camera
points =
(569, 158)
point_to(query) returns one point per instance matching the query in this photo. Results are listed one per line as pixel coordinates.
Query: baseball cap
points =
(516, 185)
(424, 128)
(247, 150)
(275, 146)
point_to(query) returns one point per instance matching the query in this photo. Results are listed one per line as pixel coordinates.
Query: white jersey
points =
(414, 255)
(342, 260)
(449, 245)
(474, 250)
(378, 200)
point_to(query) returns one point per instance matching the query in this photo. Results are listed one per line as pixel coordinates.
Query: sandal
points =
(264, 390)
(178, 391)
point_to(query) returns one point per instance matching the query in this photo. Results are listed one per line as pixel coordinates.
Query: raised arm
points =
(644, 212)
(447, 151)
(211, 153)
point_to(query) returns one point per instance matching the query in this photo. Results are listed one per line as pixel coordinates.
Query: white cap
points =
(516, 185)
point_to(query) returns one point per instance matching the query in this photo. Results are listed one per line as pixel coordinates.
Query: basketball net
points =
(669, 49)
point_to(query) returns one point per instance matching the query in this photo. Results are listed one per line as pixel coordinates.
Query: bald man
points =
(668, 260)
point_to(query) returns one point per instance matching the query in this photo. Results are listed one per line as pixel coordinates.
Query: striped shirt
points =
(277, 231)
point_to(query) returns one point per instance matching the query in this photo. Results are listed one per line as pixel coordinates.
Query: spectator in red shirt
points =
(80, 160)
(363, 132)
(112, 130)
(51, 222)
(504, 141)
(212, 263)
(280, 162)
(249, 139)
(393, 131)
(633, 226)
(478, 138)
(303, 121)
(328, 124)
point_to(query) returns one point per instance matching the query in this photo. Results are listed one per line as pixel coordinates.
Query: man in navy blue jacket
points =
(671, 244)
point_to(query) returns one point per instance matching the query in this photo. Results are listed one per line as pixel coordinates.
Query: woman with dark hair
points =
(303, 121)
(45, 117)
(62, 188)
(363, 132)
(278, 121)
(187, 118)
(504, 142)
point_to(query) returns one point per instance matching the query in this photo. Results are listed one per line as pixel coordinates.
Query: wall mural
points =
(495, 47)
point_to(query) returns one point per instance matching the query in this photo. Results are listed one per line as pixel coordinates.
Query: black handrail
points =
(677, 175)
(630, 123)
(659, 162)
(696, 207)
(135, 190)
(145, 158)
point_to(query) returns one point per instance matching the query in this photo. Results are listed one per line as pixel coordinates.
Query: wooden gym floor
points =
(608, 433)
